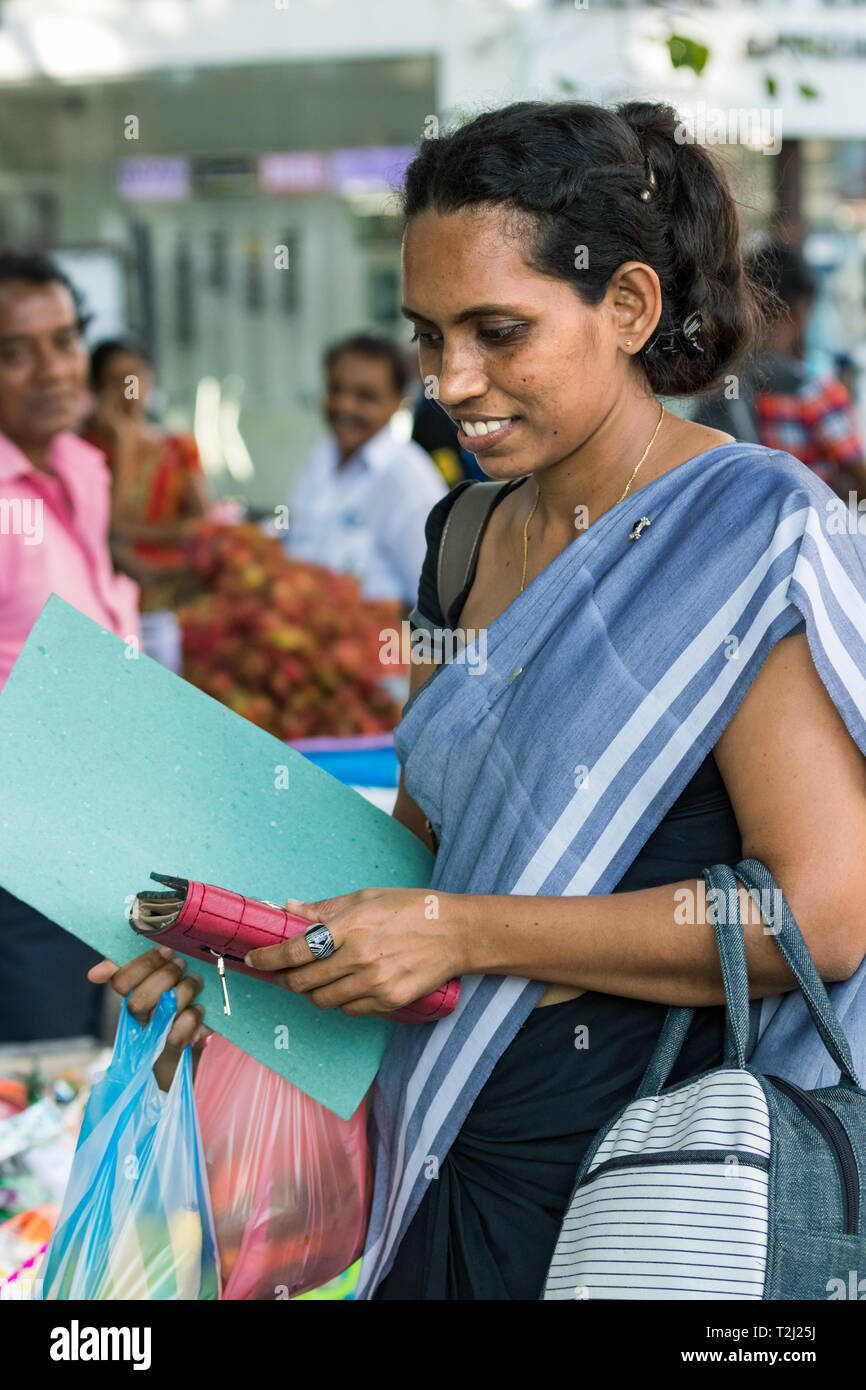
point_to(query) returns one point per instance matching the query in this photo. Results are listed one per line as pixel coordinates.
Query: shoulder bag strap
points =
(776, 912)
(461, 537)
(731, 947)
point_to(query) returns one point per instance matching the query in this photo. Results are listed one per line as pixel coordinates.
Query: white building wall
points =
(488, 50)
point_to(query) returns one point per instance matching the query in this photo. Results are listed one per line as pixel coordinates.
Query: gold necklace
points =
(627, 486)
(645, 452)
(525, 529)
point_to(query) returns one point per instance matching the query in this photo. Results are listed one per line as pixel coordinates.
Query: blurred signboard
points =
(296, 171)
(346, 171)
(153, 179)
(229, 176)
(371, 170)
(798, 63)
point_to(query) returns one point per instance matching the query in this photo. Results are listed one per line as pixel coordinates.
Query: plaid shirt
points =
(810, 418)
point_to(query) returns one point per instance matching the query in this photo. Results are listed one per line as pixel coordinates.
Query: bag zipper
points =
(826, 1119)
(667, 1157)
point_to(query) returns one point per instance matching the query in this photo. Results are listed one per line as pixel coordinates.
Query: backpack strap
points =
(461, 537)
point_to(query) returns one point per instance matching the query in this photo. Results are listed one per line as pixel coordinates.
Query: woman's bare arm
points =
(797, 782)
(196, 498)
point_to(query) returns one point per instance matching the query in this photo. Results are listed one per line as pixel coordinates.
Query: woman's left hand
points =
(392, 946)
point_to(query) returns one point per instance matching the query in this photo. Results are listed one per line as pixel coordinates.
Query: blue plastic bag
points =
(136, 1221)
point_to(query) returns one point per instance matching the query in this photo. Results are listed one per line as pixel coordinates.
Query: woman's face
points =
(126, 381)
(507, 345)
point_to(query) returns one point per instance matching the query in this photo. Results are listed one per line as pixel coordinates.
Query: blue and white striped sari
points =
(607, 682)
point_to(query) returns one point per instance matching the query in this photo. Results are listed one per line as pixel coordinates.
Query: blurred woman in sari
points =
(158, 493)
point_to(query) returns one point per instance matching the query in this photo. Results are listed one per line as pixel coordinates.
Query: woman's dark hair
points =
(113, 347)
(626, 184)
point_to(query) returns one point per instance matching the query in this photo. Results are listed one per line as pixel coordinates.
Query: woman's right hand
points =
(108, 415)
(144, 980)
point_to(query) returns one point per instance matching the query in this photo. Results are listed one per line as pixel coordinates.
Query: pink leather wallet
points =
(218, 927)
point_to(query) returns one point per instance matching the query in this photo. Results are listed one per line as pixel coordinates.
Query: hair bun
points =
(702, 228)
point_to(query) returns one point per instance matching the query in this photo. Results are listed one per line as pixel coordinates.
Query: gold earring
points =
(628, 342)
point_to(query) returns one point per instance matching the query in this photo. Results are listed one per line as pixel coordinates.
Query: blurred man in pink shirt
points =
(54, 515)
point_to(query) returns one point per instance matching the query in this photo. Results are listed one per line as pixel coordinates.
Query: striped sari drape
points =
(606, 683)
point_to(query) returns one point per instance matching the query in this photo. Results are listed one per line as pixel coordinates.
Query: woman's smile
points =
(479, 435)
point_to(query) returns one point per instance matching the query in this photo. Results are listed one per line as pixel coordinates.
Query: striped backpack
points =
(731, 1184)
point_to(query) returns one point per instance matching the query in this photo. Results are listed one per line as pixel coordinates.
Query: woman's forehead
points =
(474, 255)
(482, 230)
(124, 359)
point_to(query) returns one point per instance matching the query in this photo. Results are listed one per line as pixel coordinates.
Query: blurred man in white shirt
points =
(361, 500)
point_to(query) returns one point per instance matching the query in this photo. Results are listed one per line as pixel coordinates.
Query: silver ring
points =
(320, 941)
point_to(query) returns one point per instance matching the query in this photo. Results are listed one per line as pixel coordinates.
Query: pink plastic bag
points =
(290, 1181)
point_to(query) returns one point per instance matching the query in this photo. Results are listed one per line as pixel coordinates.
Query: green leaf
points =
(566, 84)
(806, 91)
(771, 85)
(687, 53)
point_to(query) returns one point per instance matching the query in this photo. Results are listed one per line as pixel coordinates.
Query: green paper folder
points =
(112, 767)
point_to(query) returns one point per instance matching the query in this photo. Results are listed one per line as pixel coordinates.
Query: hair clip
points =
(690, 330)
(646, 193)
(683, 339)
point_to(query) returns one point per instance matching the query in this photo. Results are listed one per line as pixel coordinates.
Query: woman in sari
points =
(158, 490)
(674, 677)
